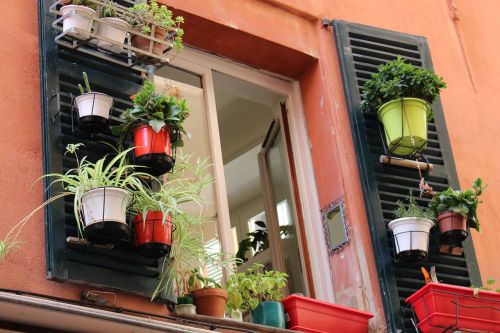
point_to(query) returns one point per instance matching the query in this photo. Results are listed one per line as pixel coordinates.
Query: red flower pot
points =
(152, 237)
(440, 306)
(306, 314)
(152, 149)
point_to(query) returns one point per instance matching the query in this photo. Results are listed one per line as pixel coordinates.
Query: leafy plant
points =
(413, 210)
(184, 186)
(85, 177)
(462, 202)
(198, 281)
(397, 79)
(110, 9)
(87, 84)
(157, 110)
(257, 240)
(147, 14)
(247, 290)
(86, 3)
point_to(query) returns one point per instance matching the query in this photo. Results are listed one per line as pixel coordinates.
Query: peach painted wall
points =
(286, 37)
(21, 159)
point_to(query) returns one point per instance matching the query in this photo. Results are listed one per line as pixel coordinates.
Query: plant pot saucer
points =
(455, 237)
(107, 232)
(412, 255)
(154, 250)
(158, 163)
(93, 124)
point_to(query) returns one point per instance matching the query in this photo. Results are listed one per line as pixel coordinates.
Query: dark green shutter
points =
(120, 268)
(361, 49)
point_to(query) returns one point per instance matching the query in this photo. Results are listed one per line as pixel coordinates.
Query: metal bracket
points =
(326, 23)
(55, 93)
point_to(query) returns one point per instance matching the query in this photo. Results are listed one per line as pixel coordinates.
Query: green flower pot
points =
(270, 314)
(403, 120)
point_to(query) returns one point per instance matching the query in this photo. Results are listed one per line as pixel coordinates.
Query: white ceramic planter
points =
(94, 104)
(411, 235)
(79, 17)
(105, 204)
(114, 29)
(185, 309)
(236, 315)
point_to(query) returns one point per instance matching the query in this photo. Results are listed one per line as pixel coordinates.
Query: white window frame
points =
(203, 64)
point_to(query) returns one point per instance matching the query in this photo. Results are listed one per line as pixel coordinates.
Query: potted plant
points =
(156, 122)
(153, 211)
(185, 305)
(209, 296)
(93, 108)
(111, 28)
(402, 95)
(78, 17)
(442, 307)
(101, 194)
(456, 210)
(411, 230)
(259, 292)
(158, 22)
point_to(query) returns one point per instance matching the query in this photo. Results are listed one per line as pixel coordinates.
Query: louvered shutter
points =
(120, 268)
(361, 49)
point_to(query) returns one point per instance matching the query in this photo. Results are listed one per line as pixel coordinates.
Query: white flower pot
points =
(185, 309)
(104, 214)
(94, 104)
(79, 17)
(114, 29)
(236, 315)
(411, 237)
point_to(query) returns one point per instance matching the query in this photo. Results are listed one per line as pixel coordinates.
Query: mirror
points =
(335, 226)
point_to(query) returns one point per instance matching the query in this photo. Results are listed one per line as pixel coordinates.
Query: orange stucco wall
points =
(286, 37)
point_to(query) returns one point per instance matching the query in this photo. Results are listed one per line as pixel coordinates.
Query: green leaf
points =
(156, 124)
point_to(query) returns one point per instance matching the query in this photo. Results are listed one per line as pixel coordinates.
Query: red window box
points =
(440, 306)
(309, 315)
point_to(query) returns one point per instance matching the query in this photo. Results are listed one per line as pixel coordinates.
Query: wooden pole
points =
(384, 159)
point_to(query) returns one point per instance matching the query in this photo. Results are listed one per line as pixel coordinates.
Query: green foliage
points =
(462, 202)
(87, 84)
(146, 15)
(247, 290)
(412, 210)
(86, 3)
(257, 240)
(184, 300)
(198, 281)
(110, 9)
(397, 79)
(85, 177)
(157, 110)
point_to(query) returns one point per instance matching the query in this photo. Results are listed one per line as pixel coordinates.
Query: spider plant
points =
(85, 177)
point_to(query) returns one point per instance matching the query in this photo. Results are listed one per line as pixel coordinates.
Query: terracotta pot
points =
(145, 44)
(453, 227)
(153, 238)
(210, 301)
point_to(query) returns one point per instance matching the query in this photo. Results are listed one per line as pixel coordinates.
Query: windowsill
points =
(228, 324)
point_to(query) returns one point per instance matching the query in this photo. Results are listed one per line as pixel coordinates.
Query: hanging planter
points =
(111, 31)
(93, 111)
(153, 236)
(305, 314)
(104, 214)
(442, 307)
(411, 230)
(94, 108)
(405, 125)
(270, 314)
(411, 237)
(78, 21)
(457, 210)
(153, 149)
(401, 94)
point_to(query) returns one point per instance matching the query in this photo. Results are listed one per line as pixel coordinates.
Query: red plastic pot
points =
(147, 141)
(153, 238)
(309, 315)
(440, 306)
(152, 149)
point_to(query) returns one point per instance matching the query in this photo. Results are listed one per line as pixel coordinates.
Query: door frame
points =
(202, 64)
